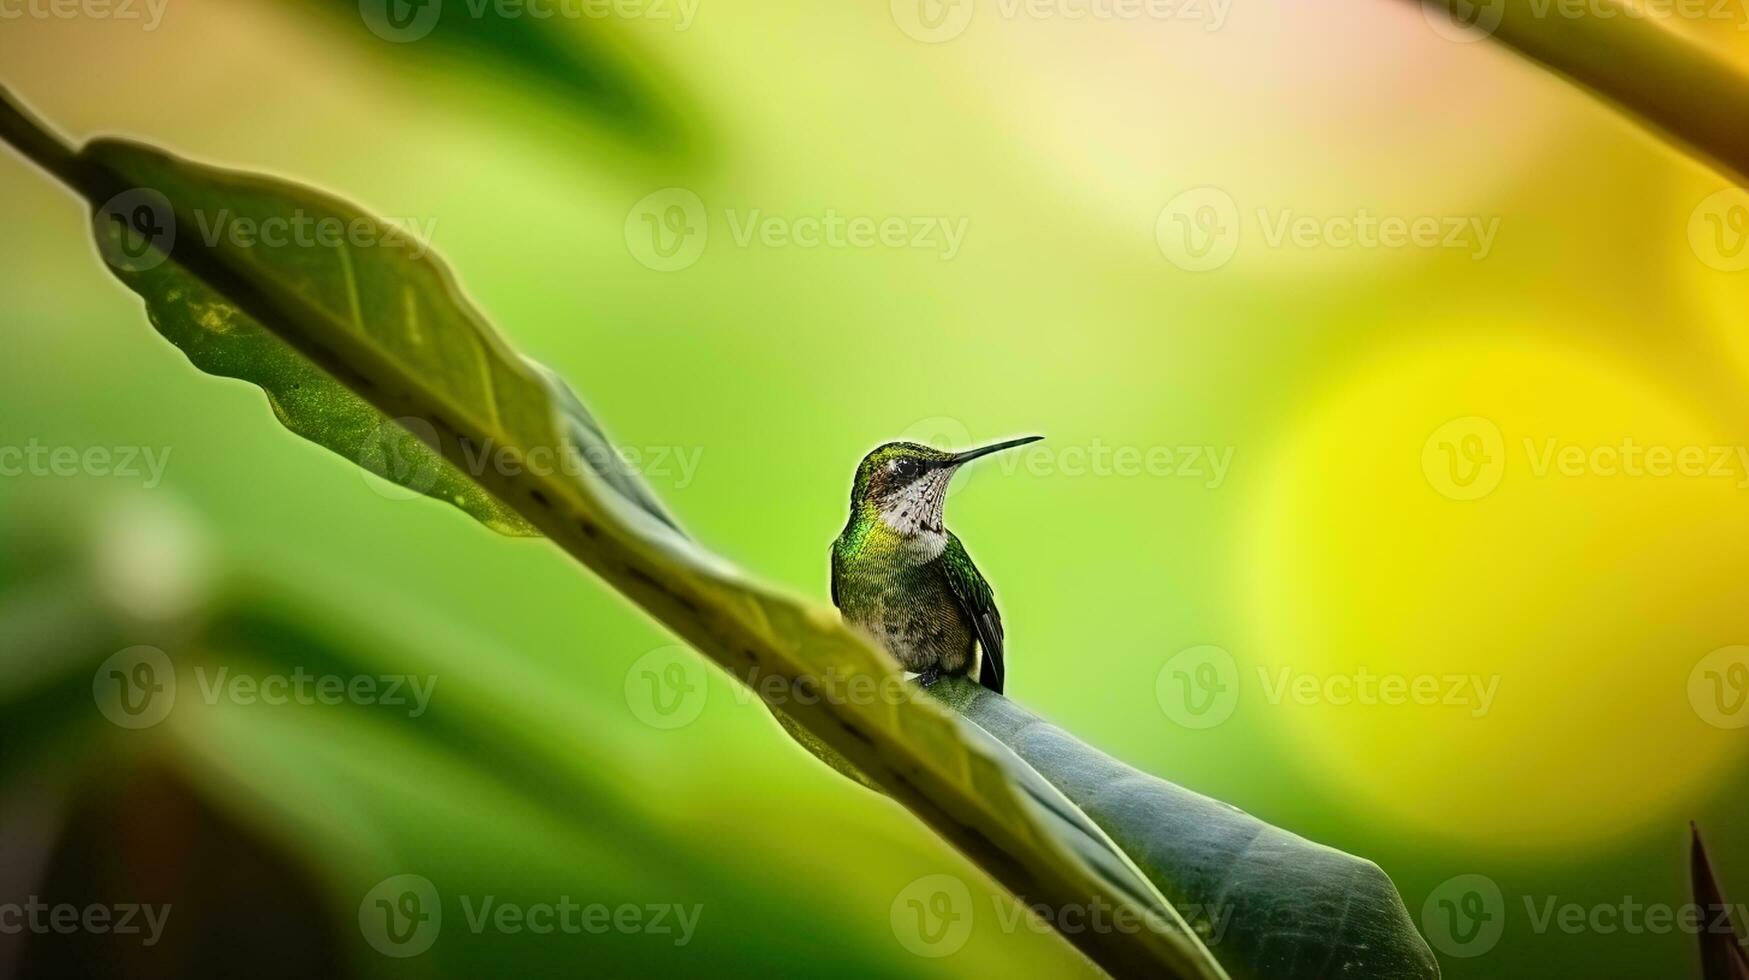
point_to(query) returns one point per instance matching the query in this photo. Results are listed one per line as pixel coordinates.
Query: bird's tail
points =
(990, 673)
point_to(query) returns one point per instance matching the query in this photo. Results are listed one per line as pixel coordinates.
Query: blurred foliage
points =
(265, 827)
(587, 64)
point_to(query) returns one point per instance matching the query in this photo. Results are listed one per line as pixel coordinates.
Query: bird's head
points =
(906, 483)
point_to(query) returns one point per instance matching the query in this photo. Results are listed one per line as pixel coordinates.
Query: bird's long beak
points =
(960, 459)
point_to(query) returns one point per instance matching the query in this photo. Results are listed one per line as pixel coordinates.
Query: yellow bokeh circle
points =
(1481, 574)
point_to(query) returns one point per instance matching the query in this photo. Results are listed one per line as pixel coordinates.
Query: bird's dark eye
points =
(907, 467)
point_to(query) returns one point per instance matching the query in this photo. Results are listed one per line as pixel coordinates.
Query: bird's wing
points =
(979, 604)
(837, 564)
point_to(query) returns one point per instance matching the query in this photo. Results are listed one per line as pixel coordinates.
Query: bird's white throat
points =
(914, 513)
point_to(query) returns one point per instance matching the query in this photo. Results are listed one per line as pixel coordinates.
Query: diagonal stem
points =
(39, 143)
(1667, 81)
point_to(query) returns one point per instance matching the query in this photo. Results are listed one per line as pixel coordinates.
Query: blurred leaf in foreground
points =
(576, 57)
(253, 828)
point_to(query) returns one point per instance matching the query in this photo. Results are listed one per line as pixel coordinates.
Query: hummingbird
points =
(901, 575)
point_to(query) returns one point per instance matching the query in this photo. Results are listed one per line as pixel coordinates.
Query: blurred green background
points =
(546, 158)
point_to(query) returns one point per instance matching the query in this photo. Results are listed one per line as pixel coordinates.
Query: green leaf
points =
(221, 341)
(387, 322)
(1647, 68)
(1721, 951)
(579, 60)
(1269, 904)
